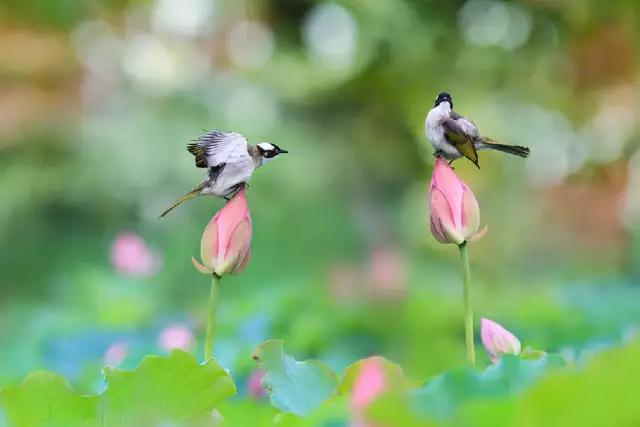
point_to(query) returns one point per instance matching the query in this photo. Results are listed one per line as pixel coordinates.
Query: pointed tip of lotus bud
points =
(498, 340)
(480, 234)
(201, 268)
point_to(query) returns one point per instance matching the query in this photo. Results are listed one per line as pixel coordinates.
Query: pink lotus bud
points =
(225, 247)
(130, 256)
(116, 353)
(176, 336)
(387, 278)
(454, 210)
(344, 282)
(254, 384)
(369, 384)
(498, 341)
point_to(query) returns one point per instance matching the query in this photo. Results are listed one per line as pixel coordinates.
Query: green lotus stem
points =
(468, 309)
(211, 318)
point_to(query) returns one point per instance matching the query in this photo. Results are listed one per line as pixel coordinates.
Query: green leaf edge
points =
(257, 357)
(106, 371)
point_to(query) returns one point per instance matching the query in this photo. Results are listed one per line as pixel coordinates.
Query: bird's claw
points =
(440, 154)
(235, 190)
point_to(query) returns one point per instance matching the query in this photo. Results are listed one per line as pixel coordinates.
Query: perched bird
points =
(453, 135)
(230, 161)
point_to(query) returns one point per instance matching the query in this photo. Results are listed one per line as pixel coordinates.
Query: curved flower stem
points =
(211, 318)
(468, 310)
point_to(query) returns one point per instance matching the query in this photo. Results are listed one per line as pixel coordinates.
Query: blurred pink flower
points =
(344, 282)
(369, 384)
(176, 336)
(254, 384)
(130, 256)
(225, 247)
(386, 273)
(454, 210)
(497, 340)
(115, 353)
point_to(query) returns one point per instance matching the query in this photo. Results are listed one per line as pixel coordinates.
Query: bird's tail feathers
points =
(510, 149)
(190, 195)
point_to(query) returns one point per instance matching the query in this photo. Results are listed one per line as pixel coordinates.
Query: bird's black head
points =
(443, 97)
(269, 151)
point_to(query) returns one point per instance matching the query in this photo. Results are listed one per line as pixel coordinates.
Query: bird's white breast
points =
(433, 124)
(238, 169)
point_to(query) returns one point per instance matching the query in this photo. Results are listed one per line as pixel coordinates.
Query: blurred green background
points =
(98, 100)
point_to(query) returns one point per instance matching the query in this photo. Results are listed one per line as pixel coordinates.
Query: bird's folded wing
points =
(465, 124)
(461, 140)
(216, 147)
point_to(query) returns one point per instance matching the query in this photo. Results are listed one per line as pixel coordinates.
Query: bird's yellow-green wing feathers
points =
(461, 141)
(200, 154)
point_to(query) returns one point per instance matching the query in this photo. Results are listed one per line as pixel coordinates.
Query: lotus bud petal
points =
(498, 341)
(254, 384)
(454, 214)
(369, 384)
(225, 247)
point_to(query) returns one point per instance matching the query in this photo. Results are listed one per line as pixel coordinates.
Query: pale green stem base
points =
(468, 310)
(211, 318)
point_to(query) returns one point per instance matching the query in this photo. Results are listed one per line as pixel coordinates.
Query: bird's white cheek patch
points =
(266, 146)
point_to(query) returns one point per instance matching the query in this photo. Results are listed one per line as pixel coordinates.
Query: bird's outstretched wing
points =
(460, 133)
(216, 147)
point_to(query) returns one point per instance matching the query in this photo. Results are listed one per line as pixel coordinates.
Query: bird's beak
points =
(283, 151)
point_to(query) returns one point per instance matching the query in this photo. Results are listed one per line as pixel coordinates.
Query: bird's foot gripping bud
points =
(235, 189)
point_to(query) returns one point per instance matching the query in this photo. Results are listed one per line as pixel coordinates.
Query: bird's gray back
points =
(465, 124)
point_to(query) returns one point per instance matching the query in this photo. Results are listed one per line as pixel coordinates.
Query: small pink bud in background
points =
(115, 353)
(386, 273)
(453, 208)
(176, 336)
(344, 282)
(225, 247)
(497, 340)
(369, 384)
(254, 384)
(130, 256)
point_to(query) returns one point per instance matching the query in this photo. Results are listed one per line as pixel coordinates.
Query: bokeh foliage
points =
(99, 98)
